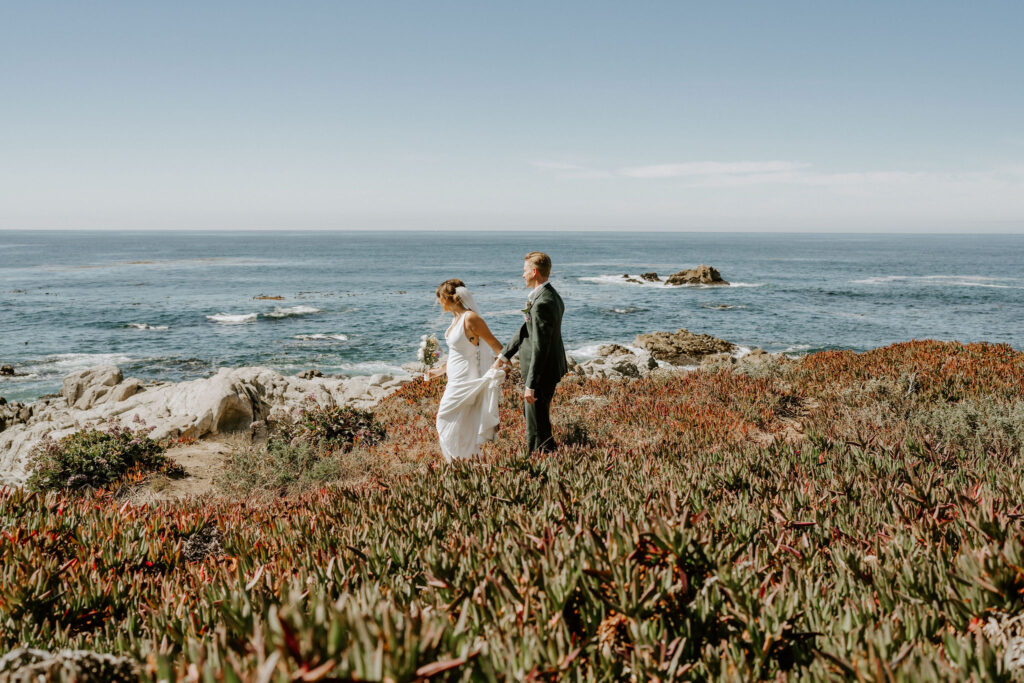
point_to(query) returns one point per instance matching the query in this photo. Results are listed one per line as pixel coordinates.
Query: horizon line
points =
(748, 231)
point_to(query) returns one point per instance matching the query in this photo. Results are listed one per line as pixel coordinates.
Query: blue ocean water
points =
(177, 305)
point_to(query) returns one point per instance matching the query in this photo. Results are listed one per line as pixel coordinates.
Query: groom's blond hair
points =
(540, 261)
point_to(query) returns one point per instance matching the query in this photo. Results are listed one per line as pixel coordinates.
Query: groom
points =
(541, 354)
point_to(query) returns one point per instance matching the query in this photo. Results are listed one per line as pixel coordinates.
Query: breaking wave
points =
(146, 326)
(233, 318)
(948, 280)
(321, 337)
(291, 311)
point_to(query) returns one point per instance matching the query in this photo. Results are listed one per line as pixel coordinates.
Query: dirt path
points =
(202, 460)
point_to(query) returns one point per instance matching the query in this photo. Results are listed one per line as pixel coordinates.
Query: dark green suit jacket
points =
(539, 342)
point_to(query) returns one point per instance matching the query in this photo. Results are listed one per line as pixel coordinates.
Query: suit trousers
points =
(538, 421)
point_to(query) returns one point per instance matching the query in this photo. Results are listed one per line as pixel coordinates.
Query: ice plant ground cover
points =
(839, 516)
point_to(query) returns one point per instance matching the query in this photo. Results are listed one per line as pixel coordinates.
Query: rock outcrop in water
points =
(682, 347)
(230, 401)
(701, 275)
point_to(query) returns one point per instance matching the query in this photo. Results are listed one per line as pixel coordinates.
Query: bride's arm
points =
(476, 327)
(436, 372)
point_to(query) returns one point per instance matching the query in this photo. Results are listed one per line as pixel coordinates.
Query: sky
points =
(897, 116)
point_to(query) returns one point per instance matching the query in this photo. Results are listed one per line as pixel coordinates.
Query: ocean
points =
(178, 305)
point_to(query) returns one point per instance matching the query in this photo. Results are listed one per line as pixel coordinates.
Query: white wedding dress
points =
(468, 414)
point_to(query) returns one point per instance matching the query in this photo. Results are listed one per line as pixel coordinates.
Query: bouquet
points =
(429, 351)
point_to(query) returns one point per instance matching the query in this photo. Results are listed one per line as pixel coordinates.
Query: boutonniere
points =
(526, 311)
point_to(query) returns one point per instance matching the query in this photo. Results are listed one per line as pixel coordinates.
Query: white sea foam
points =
(146, 326)
(620, 280)
(371, 368)
(796, 349)
(721, 307)
(949, 280)
(75, 361)
(233, 318)
(291, 311)
(590, 351)
(321, 337)
(60, 364)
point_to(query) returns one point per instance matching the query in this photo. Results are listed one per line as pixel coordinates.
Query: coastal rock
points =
(701, 275)
(682, 347)
(616, 362)
(650, 277)
(10, 413)
(26, 664)
(203, 543)
(625, 367)
(753, 361)
(7, 370)
(1005, 632)
(125, 390)
(229, 401)
(310, 374)
(85, 388)
(607, 350)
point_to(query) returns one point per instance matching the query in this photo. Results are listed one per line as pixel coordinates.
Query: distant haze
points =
(757, 116)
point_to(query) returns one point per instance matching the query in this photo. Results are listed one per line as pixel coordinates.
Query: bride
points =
(468, 414)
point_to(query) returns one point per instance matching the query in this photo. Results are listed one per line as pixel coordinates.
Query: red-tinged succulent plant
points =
(845, 515)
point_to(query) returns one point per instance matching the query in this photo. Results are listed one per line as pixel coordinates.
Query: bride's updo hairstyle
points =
(446, 292)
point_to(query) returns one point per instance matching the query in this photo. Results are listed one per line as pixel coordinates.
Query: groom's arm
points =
(544, 318)
(512, 348)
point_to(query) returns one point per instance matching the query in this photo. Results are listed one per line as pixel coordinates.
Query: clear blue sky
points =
(818, 115)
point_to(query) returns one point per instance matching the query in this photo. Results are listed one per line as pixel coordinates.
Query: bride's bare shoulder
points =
(474, 321)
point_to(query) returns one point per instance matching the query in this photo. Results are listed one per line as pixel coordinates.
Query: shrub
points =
(577, 433)
(280, 466)
(327, 445)
(95, 458)
(975, 425)
(337, 427)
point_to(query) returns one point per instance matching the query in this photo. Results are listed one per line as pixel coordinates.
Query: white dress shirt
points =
(536, 291)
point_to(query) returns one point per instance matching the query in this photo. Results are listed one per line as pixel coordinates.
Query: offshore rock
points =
(701, 275)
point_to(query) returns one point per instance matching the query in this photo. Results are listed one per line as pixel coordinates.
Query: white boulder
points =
(230, 401)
